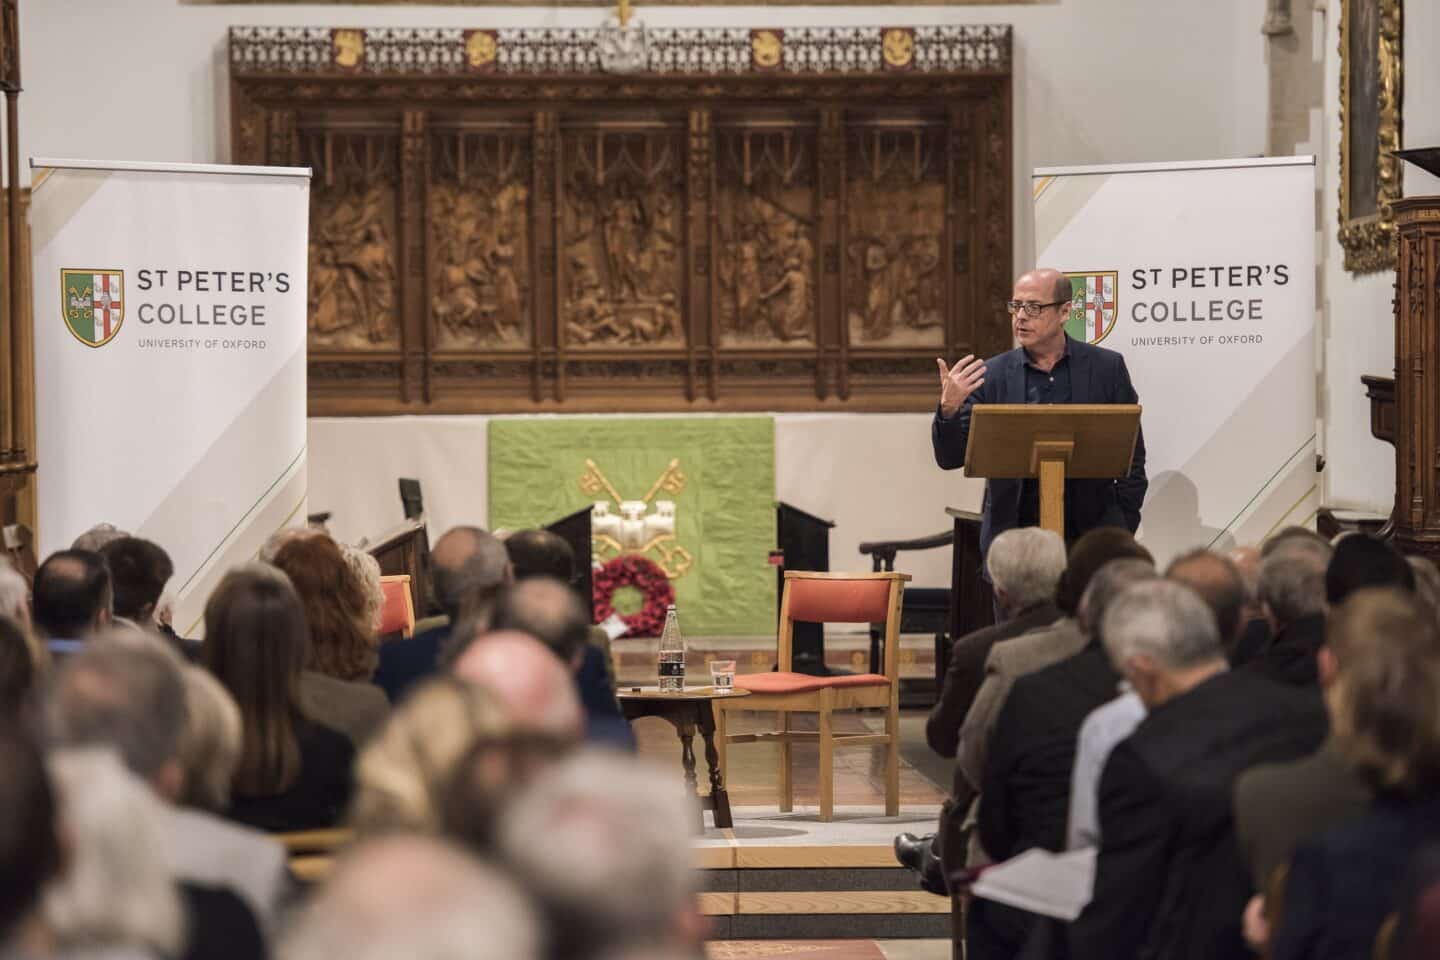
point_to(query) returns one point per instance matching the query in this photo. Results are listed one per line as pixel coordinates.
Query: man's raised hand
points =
(958, 382)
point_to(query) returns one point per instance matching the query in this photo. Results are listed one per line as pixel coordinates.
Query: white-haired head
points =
(1162, 637)
(116, 889)
(603, 840)
(1025, 564)
(408, 897)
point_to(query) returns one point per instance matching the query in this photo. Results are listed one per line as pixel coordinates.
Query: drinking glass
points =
(722, 675)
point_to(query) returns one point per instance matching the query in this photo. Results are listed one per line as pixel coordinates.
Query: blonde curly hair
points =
(401, 777)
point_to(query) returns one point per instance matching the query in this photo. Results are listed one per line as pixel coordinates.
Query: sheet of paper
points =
(1051, 884)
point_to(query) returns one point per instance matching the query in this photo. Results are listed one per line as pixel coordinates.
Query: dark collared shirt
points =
(1043, 387)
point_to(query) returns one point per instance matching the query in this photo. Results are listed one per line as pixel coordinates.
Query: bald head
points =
(469, 567)
(1247, 562)
(414, 897)
(549, 611)
(1052, 281)
(532, 683)
(1219, 583)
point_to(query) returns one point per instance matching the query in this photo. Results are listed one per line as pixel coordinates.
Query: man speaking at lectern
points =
(1047, 367)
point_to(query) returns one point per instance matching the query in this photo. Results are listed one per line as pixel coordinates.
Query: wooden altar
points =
(622, 220)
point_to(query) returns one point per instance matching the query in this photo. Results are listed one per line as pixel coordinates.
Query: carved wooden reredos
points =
(751, 220)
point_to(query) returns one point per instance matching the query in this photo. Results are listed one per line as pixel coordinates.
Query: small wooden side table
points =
(686, 711)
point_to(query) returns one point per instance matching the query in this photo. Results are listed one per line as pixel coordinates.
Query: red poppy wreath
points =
(641, 576)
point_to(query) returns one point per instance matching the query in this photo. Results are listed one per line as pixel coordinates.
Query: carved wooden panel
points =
(733, 220)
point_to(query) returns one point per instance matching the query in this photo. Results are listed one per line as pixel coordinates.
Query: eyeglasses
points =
(1031, 309)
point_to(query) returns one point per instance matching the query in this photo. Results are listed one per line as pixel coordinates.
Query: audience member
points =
(133, 699)
(468, 568)
(552, 613)
(1255, 632)
(1360, 561)
(402, 776)
(343, 650)
(1417, 933)
(209, 749)
(547, 610)
(14, 594)
(97, 536)
(18, 669)
(116, 893)
(1289, 535)
(31, 856)
(1292, 588)
(484, 779)
(342, 642)
(1385, 706)
(542, 553)
(603, 842)
(1427, 584)
(1169, 881)
(294, 772)
(529, 680)
(139, 570)
(1024, 566)
(367, 571)
(1219, 584)
(1026, 654)
(416, 898)
(1025, 795)
(72, 598)
(1279, 805)
(277, 540)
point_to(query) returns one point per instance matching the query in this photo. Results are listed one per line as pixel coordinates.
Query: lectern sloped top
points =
(1096, 441)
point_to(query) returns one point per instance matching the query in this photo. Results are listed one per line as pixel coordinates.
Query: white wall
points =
(1359, 331)
(1097, 80)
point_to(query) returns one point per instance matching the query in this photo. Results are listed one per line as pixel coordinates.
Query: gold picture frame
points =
(1370, 102)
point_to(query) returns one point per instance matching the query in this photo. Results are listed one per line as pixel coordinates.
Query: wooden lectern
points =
(1052, 441)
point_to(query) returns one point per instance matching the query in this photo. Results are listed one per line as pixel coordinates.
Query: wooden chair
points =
(827, 598)
(311, 853)
(398, 614)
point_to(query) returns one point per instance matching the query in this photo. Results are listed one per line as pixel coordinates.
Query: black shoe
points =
(918, 853)
(910, 850)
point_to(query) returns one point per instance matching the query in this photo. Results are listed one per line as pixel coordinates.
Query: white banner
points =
(170, 322)
(1203, 276)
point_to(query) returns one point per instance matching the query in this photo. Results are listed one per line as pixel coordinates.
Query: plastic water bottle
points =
(672, 654)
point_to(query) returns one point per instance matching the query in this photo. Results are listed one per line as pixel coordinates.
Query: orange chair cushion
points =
(839, 601)
(398, 614)
(803, 682)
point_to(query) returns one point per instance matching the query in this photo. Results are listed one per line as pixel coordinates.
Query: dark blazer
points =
(1343, 884)
(1097, 375)
(1278, 806)
(1290, 658)
(405, 662)
(1169, 881)
(967, 669)
(1025, 793)
(604, 723)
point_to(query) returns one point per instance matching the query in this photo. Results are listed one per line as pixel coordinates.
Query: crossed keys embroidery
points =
(635, 530)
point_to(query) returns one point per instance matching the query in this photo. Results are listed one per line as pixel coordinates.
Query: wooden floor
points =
(859, 771)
